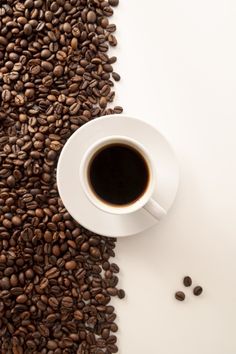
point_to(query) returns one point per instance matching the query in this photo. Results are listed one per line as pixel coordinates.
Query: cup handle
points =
(153, 208)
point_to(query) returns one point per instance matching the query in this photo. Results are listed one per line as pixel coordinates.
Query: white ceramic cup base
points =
(72, 189)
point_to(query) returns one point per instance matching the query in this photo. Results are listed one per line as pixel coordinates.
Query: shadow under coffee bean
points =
(118, 174)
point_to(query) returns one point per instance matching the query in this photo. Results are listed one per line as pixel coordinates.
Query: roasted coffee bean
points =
(67, 301)
(21, 299)
(53, 302)
(187, 281)
(6, 95)
(113, 2)
(116, 76)
(52, 273)
(91, 17)
(121, 293)
(112, 291)
(45, 53)
(78, 315)
(58, 70)
(197, 290)
(95, 252)
(70, 265)
(114, 327)
(180, 296)
(28, 29)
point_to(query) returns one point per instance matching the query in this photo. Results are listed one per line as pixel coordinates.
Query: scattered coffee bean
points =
(180, 296)
(116, 76)
(56, 278)
(197, 290)
(91, 17)
(187, 281)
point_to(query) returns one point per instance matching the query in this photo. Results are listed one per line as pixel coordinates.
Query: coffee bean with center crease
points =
(187, 281)
(113, 2)
(197, 290)
(6, 95)
(67, 301)
(180, 296)
(56, 277)
(121, 293)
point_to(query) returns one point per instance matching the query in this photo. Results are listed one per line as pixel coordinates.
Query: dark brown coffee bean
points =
(121, 293)
(91, 17)
(105, 333)
(70, 265)
(43, 330)
(75, 107)
(6, 95)
(94, 251)
(52, 273)
(16, 291)
(74, 43)
(61, 55)
(112, 291)
(53, 302)
(107, 68)
(5, 283)
(114, 2)
(27, 29)
(118, 109)
(114, 327)
(116, 76)
(103, 102)
(179, 295)
(58, 70)
(45, 53)
(19, 100)
(112, 39)
(47, 66)
(16, 220)
(29, 274)
(47, 81)
(78, 315)
(67, 27)
(13, 280)
(197, 290)
(51, 344)
(11, 181)
(67, 301)
(187, 281)
(21, 299)
(28, 4)
(48, 16)
(3, 41)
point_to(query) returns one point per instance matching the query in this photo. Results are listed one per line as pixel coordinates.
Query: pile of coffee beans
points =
(187, 282)
(56, 278)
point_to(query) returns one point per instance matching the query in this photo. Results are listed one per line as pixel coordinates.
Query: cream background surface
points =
(178, 65)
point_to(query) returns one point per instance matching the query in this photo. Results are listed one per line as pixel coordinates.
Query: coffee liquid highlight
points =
(118, 174)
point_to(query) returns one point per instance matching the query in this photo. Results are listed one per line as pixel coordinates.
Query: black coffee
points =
(118, 174)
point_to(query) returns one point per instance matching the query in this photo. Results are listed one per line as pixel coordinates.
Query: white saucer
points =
(73, 195)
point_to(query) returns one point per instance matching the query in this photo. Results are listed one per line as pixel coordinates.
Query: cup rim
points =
(95, 200)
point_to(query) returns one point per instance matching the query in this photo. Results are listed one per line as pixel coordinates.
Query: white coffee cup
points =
(144, 201)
